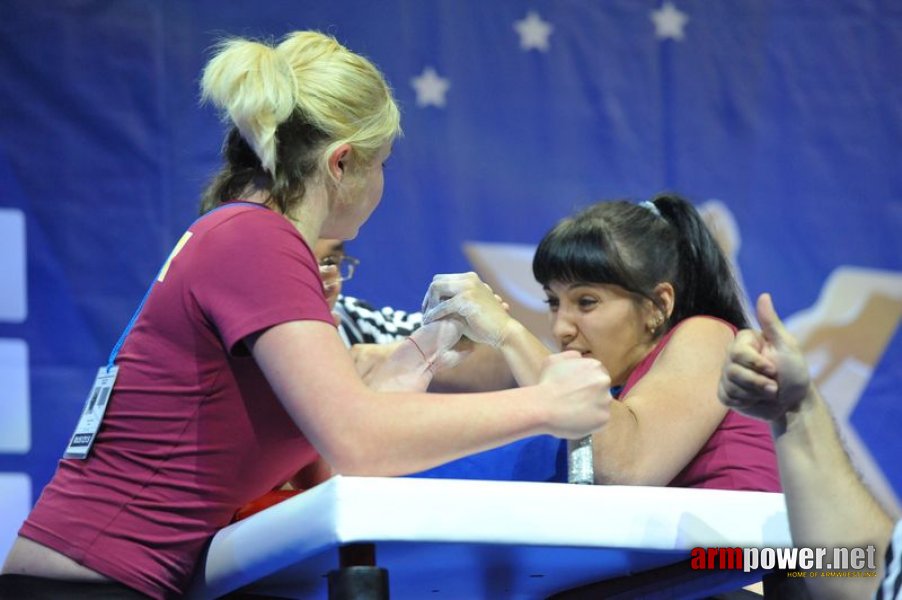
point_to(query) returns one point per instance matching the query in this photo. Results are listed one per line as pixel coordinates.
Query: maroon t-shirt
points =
(193, 430)
(740, 453)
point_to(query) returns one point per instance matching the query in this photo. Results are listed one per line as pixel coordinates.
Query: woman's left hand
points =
(465, 296)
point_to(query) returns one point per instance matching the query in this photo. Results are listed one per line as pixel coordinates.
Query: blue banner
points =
(781, 120)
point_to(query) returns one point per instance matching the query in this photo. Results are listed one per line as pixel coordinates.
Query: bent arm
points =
(666, 418)
(669, 415)
(363, 432)
(828, 504)
(767, 377)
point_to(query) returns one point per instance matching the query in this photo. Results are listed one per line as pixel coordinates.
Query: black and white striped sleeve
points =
(362, 323)
(891, 586)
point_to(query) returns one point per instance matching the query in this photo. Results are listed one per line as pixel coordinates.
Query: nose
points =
(563, 328)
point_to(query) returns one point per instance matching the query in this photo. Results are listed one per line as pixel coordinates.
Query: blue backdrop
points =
(515, 112)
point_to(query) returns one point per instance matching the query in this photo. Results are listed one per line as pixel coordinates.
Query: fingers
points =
(444, 286)
(741, 384)
(452, 306)
(447, 286)
(504, 305)
(771, 326)
(747, 351)
(553, 359)
(466, 302)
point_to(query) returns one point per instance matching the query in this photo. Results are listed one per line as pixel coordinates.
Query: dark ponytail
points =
(705, 282)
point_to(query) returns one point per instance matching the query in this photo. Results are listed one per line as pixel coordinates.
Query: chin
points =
(339, 234)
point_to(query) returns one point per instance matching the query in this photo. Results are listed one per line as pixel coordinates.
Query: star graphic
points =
(430, 88)
(844, 335)
(533, 32)
(669, 22)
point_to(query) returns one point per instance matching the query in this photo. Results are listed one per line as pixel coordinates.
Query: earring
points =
(655, 324)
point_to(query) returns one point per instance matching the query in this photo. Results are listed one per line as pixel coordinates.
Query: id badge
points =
(92, 415)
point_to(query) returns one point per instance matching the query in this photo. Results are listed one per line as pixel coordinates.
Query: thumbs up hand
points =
(765, 375)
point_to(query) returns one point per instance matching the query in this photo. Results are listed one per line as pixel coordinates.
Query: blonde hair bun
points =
(254, 86)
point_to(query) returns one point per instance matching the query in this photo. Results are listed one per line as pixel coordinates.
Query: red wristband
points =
(420, 350)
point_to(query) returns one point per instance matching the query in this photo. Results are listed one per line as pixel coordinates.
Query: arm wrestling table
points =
(468, 539)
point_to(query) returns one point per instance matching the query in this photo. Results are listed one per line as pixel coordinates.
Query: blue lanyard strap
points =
(115, 352)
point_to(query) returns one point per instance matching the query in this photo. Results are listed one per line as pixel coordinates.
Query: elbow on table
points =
(354, 456)
(612, 470)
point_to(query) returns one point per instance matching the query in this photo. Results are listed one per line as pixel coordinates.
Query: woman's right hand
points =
(578, 392)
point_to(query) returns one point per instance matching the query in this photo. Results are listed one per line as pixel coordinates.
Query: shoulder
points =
(250, 231)
(697, 340)
(246, 219)
(702, 329)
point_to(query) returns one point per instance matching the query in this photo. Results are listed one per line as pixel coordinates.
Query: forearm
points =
(405, 370)
(524, 353)
(827, 503)
(616, 451)
(396, 433)
(360, 431)
(484, 369)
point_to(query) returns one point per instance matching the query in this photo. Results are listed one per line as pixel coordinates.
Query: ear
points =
(663, 307)
(666, 296)
(338, 162)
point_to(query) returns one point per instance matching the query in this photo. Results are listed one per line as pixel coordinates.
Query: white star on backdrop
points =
(430, 88)
(534, 32)
(669, 21)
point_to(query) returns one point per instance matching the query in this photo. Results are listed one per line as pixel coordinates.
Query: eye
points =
(328, 261)
(587, 302)
(553, 303)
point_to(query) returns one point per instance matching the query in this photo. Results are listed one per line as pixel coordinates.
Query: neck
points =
(307, 217)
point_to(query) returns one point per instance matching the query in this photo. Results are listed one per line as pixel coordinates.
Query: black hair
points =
(637, 246)
(297, 142)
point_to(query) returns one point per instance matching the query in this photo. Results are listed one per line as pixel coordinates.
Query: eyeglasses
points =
(346, 265)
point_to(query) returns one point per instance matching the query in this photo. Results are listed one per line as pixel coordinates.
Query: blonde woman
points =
(233, 376)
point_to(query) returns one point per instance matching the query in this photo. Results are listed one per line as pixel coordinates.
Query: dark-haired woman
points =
(645, 290)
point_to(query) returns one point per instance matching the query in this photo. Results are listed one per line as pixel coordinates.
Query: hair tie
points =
(650, 206)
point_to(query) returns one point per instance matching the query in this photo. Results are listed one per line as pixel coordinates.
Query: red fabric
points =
(193, 431)
(740, 453)
(263, 502)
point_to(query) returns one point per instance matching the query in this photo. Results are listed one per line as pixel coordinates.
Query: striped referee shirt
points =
(361, 323)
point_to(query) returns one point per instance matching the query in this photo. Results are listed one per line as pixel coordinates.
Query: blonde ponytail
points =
(252, 84)
(292, 105)
(341, 93)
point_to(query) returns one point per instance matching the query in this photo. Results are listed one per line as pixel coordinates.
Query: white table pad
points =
(442, 538)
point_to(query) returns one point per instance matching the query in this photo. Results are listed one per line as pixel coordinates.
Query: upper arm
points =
(675, 404)
(312, 374)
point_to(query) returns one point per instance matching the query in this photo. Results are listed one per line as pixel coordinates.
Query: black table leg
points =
(358, 577)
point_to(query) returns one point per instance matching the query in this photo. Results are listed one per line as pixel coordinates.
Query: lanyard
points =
(115, 352)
